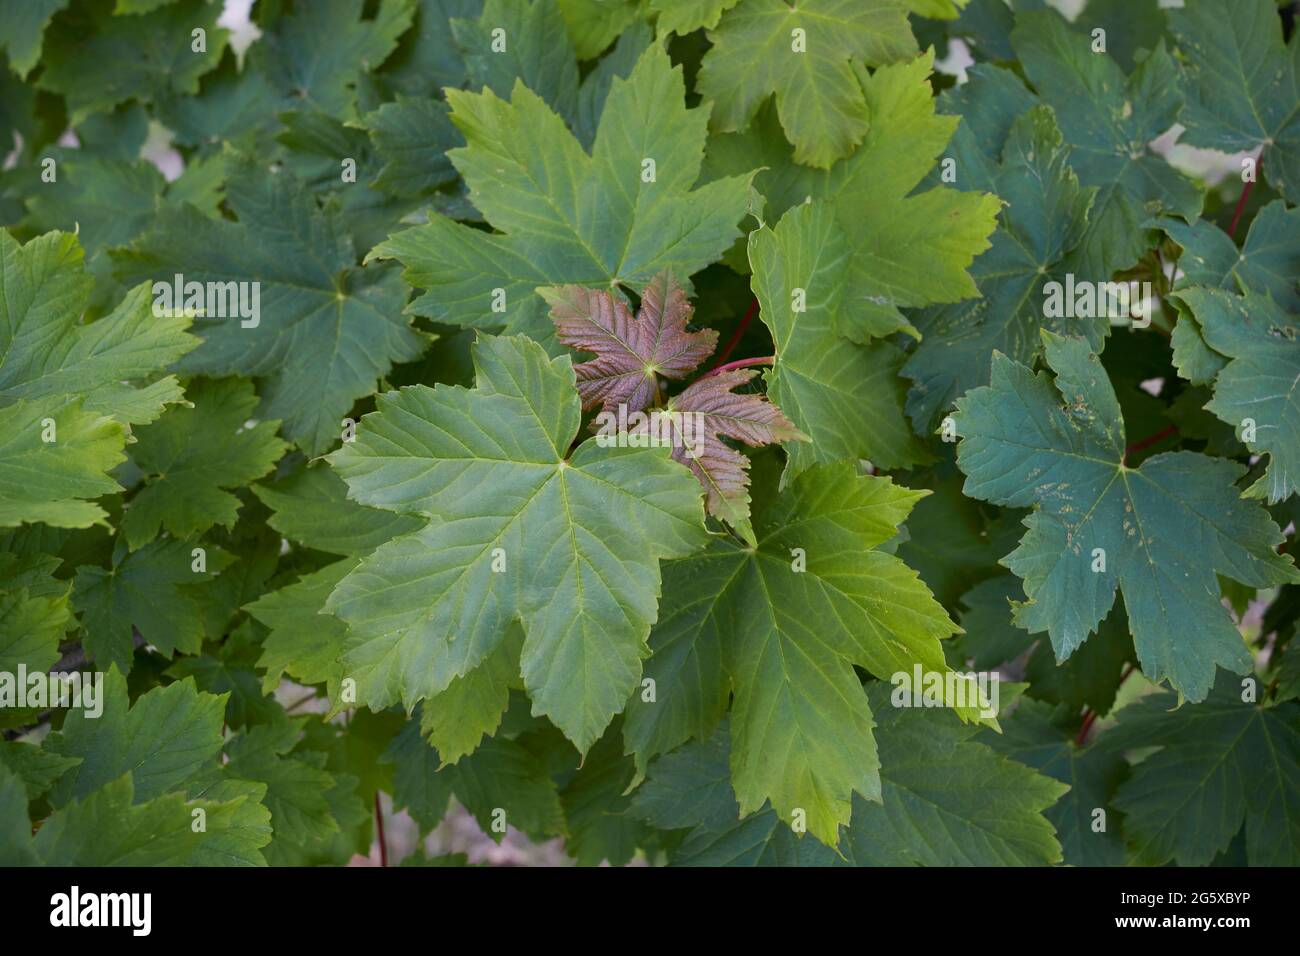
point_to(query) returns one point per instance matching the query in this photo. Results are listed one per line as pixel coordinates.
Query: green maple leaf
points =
(427, 57)
(1268, 261)
(946, 800)
(1045, 219)
(749, 621)
(297, 791)
(166, 739)
(596, 804)
(113, 827)
(684, 16)
(1222, 764)
(304, 641)
(411, 137)
(311, 507)
(804, 54)
(845, 396)
(327, 330)
(1243, 87)
(1108, 120)
(1257, 390)
(191, 455)
(593, 24)
(471, 708)
(22, 29)
(537, 51)
(68, 389)
(905, 248)
(1164, 529)
(565, 216)
(96, 61)
(72, 468)
(427, 607)
(1092, 774)
(36, 769)
(315, 56)
(51, 356)
(154, 590)
(32, 623)
(1089, 678)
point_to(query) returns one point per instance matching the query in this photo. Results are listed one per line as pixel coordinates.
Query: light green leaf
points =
(846, 397)
(51, 357)
(578, 539)
(787, 640)
(803, 53)
(684, 16)
(564, 216)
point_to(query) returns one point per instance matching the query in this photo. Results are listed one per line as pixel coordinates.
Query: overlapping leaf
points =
(1160, 532)
(615, 217)
(577, 541)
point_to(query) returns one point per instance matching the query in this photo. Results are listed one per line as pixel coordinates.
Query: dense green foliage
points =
(386, 512)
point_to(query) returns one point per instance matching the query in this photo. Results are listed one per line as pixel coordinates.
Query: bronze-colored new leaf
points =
(630, 351)
(749, 418)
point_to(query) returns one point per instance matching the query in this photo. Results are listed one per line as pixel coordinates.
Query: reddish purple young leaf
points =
(749, 418)
(630, 351)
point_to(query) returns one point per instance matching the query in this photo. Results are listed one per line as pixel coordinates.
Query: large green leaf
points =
(782, 626)
(1221, 764)
(574, 540)
(327, 330)
(1243, 86)
(804, 53)
(566, 217)
(1044, 220)
(847, 397)
(1159, 532)
(906, 248)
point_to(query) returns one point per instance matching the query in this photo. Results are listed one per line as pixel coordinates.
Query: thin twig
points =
(1150, 440)
(1245, 194)
(1090, 715)
(379, 827)
(737, 334)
